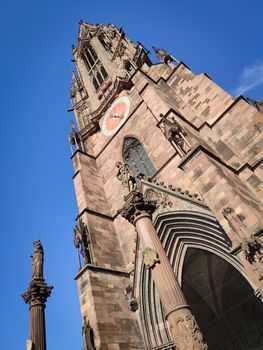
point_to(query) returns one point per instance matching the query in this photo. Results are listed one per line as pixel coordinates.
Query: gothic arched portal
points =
(223, 302)
(221, 299)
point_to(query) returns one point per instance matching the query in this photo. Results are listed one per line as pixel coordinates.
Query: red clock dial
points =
(115, 116)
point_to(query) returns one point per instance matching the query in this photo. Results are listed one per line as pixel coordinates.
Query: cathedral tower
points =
(168, 179)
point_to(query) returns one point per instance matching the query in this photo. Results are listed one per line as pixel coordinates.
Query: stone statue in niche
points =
(175, 134)
(189, 335)
(236, 225)
(252, 247)
(37, 260)
(125, 176)
(88, 336)
(253, 250)
(81, 242)
(74, 138)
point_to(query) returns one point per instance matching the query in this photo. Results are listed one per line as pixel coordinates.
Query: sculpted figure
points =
(125, 176)
(37, 260)
(175, 134)
(88, 336)
(81, 241)
(163, 55)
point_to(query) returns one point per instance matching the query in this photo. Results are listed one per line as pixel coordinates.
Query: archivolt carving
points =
(177, 231)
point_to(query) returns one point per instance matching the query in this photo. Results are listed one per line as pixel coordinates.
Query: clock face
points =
(115, 116)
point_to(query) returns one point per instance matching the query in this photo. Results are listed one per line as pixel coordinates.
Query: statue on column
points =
(88, 336)
(37, 261)
(125, 176)
(36, 297)
(175, 134)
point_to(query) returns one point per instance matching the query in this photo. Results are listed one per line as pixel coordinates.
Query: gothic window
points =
(137, 159)
(99, 78)
(95, 83)
(90, 57)
(95, 68)
(103, 72)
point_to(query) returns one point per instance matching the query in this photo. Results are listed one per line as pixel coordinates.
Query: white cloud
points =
(250, 78)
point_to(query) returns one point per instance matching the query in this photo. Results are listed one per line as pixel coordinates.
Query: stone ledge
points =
(101, 269)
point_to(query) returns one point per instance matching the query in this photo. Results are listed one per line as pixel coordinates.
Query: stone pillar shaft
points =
(37, 326)
(184, 329)
(36, 297)
(166, 283)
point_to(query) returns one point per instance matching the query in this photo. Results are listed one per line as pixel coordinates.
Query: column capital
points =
(135, 206)
(37, 293)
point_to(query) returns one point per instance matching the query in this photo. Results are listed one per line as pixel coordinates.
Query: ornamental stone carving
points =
(175, 134)
(235, 224)
(253, 250)
(81, 241)
(38, 291)
(161, 199)
(163, 55)
(135, 206)
(87, 333)
(125, 176)
(150, 258)
(188, 335)
(37, 261)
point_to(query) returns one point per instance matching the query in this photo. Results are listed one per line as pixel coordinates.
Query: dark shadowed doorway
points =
(228, 313)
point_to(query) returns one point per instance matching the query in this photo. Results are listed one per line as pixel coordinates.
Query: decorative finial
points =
(164, 56)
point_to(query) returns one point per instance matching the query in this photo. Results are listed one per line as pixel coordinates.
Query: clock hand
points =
(115, 117)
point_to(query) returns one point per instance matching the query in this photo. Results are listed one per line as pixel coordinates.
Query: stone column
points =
(36, 297)
(184, 329)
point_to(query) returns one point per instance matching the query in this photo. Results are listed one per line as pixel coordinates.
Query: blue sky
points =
(221, 38)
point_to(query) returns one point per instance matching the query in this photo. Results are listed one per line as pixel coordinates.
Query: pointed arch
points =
(183, 233)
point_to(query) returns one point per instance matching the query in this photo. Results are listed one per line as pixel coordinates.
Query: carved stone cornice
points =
(135, 206)
(38, 292)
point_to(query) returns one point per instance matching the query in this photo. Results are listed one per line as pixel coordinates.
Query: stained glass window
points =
(137, 159)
